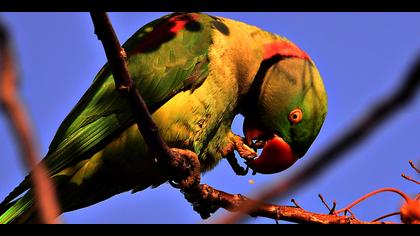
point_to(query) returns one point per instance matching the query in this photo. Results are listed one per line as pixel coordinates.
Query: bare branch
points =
(235, 202)
(375, 116)
(295, 203)
(44, 191)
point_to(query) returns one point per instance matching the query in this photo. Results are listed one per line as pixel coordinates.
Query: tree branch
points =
(375, 116)
(236, 202)
(44, 191)
(204, 198)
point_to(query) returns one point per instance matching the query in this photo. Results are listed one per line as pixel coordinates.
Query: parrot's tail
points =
(19, 211)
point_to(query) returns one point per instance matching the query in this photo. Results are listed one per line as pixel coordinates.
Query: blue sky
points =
(361, 57)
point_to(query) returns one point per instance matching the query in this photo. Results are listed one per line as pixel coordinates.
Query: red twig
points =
(44, 191)
(386, 216)
(347, 208)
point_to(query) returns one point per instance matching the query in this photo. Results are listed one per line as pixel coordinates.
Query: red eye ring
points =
(295, 116)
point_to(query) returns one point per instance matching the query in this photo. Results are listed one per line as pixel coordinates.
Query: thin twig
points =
(375, 116)
(349, 211)
(295, 203)
(332, 211)
(409, 178)
(413, 166)
(386, 216)
(325, 203)
(44, 191)
(403, 195)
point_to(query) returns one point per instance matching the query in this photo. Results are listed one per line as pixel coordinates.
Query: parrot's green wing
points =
(165, 57)
(160, 70)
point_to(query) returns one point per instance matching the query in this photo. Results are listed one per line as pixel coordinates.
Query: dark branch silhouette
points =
(44, 192)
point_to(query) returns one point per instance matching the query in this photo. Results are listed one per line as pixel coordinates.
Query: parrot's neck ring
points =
(252, 97)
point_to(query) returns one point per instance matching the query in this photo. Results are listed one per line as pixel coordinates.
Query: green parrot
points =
(196, 72)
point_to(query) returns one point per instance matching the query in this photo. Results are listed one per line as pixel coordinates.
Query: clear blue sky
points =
(361, 56)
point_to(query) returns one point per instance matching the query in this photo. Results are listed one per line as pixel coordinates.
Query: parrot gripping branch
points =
(183, 166)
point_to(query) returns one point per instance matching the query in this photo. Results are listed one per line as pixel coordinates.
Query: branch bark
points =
(204, 198)
(44, 191)
(235, 203)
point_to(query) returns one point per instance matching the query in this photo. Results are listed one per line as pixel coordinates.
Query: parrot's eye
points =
(295, 116)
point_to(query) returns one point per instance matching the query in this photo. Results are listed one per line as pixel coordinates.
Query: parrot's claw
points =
(244, 150)
(237, 143)
(189, 164)
(239, 170)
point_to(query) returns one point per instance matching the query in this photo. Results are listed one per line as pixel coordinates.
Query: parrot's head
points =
(286, 109)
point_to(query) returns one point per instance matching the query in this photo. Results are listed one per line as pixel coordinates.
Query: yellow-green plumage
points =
(193, 77)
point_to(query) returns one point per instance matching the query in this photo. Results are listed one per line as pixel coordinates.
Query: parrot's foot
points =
(187, 169)
(237, 143)
(244, 150)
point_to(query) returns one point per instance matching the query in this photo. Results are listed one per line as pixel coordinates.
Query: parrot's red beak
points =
(276, 155)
